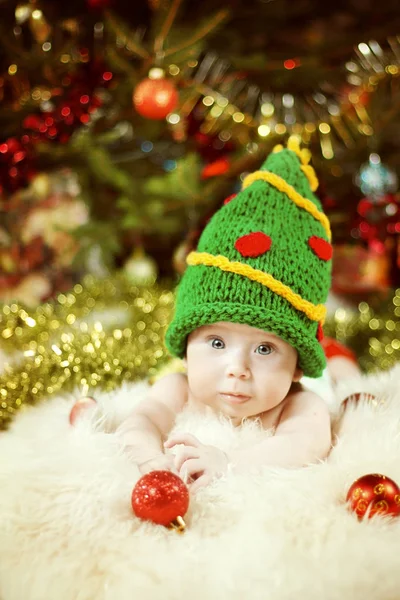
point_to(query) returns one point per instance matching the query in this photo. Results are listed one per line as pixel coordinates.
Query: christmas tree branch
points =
(215, 188)
(127, 37)
(166, 26)
(200, 34)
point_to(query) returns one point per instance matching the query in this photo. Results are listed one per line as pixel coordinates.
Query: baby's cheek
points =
(201, 383)
(273, 392)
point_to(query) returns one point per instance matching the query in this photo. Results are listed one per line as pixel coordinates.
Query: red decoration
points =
(360, 270)
(218, 167)
(364, 206)
(160, 497)
(291, 63)
(59, 124)
(253, 244)
(155, 98)
(82, 408)
(98, 4)
(320, 247)
(229, 198)
(17, 163)
(356, 397)
(333, 348)
(320, 333)
(71, 105)
(374, 494)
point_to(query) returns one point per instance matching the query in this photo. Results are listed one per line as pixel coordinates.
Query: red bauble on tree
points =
(374, 494)
(160, 497)
(155, 97)
(216, 168)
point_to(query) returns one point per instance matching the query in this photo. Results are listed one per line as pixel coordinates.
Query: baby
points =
(248, 323)
(240, 372)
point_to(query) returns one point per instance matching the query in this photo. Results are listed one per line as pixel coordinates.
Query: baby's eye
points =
(264, 349)
(216, 343)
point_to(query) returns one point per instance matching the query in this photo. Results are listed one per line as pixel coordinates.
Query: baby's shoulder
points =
(172, 379)
(172, 382)
(304, 404)
(171, 389)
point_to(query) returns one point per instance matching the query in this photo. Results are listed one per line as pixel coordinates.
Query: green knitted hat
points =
(264, 259)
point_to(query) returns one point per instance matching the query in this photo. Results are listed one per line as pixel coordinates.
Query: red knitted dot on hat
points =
(229, 198)
(320, 333)
(253, 244)
(321, 247)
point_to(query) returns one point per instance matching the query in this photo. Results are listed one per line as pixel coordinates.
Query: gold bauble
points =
(41, 186)
(140, 269)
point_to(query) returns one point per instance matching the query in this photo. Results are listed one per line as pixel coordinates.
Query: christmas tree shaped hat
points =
(264, 260)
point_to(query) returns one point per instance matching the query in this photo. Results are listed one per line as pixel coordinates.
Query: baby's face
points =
(239, 370)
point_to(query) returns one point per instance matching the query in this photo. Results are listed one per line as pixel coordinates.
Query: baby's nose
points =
(238, 367)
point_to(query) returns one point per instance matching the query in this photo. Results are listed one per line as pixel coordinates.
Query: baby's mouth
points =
(234, 398)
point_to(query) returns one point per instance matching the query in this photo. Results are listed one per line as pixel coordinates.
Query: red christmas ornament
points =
(155, 98)
(218, 167)
(253, 244)
(374, 494)
(160, 497)
(356, 397)
(17, 163)
(320, 247)
(364, 207)
(82, 408)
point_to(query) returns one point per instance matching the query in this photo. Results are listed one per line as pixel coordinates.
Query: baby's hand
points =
(161, 462)
(198, 461)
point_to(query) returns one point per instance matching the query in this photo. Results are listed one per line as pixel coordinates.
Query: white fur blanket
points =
(67, 531)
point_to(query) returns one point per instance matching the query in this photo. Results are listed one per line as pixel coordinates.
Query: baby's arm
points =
(303, 436)
(145, 430)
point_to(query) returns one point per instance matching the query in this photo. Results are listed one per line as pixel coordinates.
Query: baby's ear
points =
(298, 374)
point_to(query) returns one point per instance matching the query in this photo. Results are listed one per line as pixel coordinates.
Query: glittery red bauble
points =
(356, 397)
(376, 494)
(81, 408)
(155, 98)
(160, 497)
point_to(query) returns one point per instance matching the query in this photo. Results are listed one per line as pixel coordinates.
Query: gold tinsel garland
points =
(62, 350)
(63, 345)
(21, 329)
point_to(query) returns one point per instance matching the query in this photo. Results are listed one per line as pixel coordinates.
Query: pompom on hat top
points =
(264, 260)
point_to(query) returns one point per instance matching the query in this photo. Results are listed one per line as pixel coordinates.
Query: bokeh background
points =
(124, 126)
